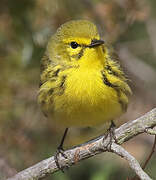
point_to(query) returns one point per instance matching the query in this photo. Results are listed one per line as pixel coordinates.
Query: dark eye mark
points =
(74, 44)
(79, 55)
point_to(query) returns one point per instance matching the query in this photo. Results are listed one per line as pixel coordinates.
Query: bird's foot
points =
(111, 134)
(59, 151)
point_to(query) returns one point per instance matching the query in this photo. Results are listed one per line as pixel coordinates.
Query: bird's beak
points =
(95, 43)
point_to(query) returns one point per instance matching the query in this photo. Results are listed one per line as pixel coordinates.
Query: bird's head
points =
(75, 41)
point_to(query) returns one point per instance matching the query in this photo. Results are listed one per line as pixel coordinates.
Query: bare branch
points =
(151, 131)
(131, 160)
(150, 155)
(93, 147)
(147, 160)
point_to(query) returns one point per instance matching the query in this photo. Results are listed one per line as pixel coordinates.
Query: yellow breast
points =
(86, 100)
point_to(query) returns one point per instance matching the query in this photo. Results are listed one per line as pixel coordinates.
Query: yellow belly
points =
(86, 100)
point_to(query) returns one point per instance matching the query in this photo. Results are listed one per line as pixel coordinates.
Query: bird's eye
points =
(74, 45)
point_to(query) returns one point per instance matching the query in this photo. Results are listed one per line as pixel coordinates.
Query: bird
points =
(81, 83)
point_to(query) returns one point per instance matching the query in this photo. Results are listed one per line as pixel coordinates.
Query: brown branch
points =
(96, 146)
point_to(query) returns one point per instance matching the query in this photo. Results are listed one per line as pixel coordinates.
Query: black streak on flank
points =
(117, 89)
(56, 72)
(63, 81)
(106, 81)
(110, 71)
(50, 92)
(62, 86)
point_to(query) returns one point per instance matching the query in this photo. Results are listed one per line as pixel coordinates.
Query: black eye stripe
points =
(74, 44)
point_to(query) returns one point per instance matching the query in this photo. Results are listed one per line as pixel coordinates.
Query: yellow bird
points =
(81, 84)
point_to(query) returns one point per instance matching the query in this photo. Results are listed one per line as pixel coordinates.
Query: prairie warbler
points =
(81, 84)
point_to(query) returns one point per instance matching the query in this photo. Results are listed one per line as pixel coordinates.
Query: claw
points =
(110, 132)
(60, 150)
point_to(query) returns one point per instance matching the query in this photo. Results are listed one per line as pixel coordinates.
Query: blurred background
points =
(26, 136)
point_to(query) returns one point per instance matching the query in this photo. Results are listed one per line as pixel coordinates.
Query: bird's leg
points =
(110, 132)
(60, 150)
(112, 129)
